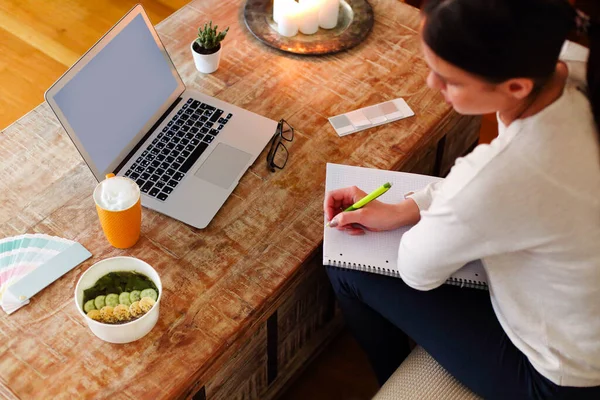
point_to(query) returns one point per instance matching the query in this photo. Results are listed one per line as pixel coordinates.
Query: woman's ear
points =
(518, 88)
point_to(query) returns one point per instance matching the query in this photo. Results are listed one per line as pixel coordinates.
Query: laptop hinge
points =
(147, 135)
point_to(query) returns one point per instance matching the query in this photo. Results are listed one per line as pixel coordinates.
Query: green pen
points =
(368, 198)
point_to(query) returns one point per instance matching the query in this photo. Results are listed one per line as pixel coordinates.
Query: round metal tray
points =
(354, 24)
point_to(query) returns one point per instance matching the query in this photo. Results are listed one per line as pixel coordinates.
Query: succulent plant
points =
(208, 38)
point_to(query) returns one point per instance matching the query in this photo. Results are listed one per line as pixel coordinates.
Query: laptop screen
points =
(116, 93)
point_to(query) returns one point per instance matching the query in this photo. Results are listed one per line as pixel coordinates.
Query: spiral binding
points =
(467, 283)
(364, 268)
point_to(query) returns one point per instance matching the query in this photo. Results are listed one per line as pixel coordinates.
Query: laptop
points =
(127, 111)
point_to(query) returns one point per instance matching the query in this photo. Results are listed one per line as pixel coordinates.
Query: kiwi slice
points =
(112, 300)
(134, 296)
(124, 299)
(149, 293)
(99, 302)
(89, 306)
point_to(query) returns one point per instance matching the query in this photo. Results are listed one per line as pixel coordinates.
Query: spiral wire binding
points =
(463, 283)
(468, 283)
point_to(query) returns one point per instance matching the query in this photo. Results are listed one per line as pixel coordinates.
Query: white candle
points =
(328, 13)
(308, 22)
(288, 19)
(278, 7)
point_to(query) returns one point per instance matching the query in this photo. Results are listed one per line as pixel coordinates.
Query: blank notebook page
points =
(373, 249)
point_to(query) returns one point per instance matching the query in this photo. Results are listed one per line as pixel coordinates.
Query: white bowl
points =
(130, 331)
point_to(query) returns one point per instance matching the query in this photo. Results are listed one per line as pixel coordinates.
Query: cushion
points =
(421, 377)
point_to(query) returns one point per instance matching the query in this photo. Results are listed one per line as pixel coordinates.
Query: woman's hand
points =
(375, 216)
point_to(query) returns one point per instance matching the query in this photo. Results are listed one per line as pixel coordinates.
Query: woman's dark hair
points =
(502, 39)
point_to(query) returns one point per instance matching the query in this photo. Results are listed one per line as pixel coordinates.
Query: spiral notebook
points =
(377, 252)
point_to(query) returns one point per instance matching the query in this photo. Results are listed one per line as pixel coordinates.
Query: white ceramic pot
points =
(206, 63)
(130, 331)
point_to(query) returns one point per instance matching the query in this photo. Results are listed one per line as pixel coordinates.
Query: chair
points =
(421, 377)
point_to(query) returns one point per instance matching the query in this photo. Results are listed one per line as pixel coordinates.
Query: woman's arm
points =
(425, 196)
(439, 245)
(375, 216)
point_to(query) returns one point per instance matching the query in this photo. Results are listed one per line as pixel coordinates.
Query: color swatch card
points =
(368, 117)
(30, 262)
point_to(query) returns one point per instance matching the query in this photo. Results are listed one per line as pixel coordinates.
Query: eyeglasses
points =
(278, 153)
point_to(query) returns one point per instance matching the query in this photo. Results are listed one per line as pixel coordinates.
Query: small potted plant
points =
(206, 48)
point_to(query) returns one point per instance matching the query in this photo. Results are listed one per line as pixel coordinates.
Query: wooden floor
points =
(341, 372)
(40, 39)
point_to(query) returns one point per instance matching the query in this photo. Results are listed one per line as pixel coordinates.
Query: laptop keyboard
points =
(165, 161)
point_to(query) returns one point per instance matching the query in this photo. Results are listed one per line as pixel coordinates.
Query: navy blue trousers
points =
(457, 326)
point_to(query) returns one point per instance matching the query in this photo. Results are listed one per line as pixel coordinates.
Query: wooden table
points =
(245, 301)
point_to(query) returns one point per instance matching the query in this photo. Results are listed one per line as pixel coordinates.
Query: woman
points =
(527, 205)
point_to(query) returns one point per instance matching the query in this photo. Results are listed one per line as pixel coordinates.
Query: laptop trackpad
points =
(223, 166)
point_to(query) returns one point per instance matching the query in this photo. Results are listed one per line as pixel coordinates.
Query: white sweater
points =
(528, 205)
